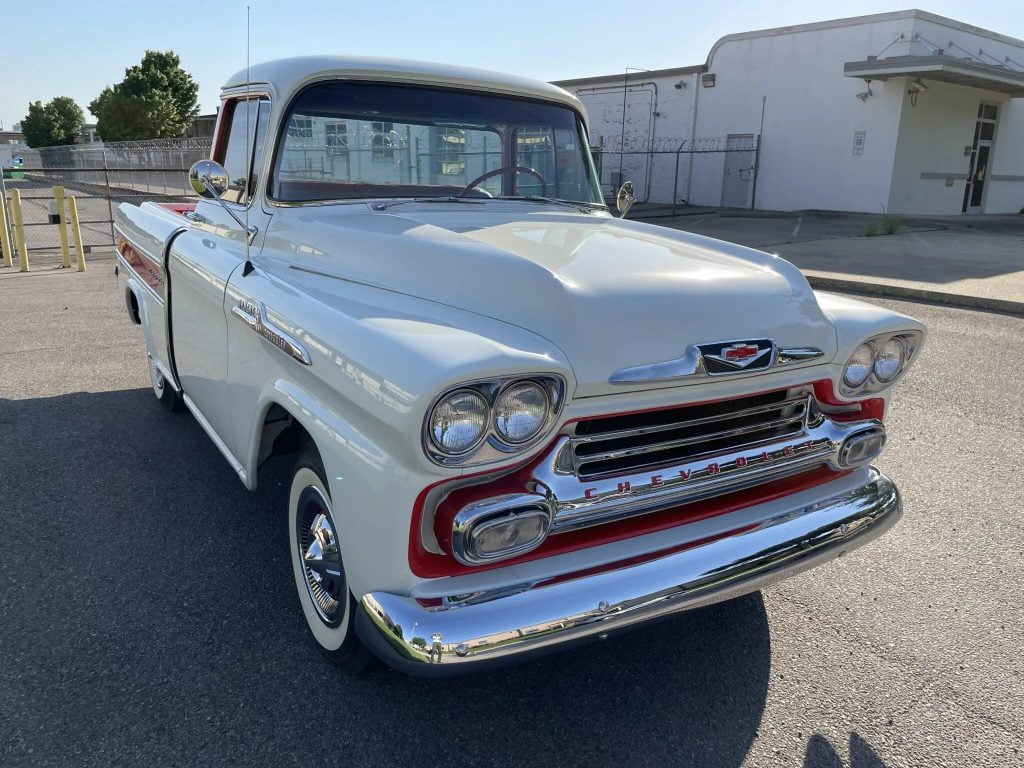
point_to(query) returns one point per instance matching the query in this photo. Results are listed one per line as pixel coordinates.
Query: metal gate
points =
(99, 178)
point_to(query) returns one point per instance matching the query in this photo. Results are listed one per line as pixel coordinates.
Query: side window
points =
(245, 135)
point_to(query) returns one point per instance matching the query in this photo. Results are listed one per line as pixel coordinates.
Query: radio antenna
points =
(247, 268)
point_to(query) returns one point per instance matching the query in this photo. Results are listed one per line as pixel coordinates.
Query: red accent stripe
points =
(179, 208)
(143, 266)
(429, 565)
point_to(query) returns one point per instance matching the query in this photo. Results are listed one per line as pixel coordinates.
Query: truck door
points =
(204, 258)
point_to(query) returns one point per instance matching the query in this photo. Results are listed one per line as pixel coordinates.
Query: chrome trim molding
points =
(221, 445)
(488, 511)
(581, 502)
(690, 364)
(791, 355)
(255, 316)
(693, 363)
(458, 636)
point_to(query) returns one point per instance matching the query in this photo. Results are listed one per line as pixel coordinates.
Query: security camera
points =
(917, 86)
(680, 85)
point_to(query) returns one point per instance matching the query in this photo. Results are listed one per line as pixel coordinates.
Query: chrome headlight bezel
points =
(911, 341)
(493, 447)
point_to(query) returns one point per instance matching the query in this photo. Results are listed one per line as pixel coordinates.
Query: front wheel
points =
(320, 579)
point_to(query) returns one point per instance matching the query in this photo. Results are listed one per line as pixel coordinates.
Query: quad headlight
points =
(520, 412)
(459, 421)
(485, 421)
(878, 362)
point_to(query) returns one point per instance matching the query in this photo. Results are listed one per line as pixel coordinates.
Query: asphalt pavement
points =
(976, 262)
(148, 614)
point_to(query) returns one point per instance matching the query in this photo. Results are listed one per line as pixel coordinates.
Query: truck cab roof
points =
(285, 76)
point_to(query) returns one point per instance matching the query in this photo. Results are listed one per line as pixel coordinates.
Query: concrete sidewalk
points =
(975, 261)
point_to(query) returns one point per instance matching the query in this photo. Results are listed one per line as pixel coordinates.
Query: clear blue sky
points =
(74, 48)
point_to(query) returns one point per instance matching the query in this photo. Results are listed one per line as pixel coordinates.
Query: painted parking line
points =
(796, 227)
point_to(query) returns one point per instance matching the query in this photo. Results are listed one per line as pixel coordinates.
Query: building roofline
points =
(853, 21)
(670, 72)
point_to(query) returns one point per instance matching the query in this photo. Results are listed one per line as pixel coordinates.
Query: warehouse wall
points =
(658, 116)
(811, 114)
(1006, 185)
(932, 138)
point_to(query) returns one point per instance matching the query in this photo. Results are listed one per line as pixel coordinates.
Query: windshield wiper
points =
(383, 206)
(579, 206)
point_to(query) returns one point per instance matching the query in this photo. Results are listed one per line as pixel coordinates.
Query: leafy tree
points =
(156, 100)
(56, 122)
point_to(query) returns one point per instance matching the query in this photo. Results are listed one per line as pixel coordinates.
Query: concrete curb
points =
(919, 294)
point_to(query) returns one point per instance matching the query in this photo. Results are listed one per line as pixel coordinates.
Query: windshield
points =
(347, 140)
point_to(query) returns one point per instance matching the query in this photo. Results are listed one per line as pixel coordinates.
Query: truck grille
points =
(624, 444)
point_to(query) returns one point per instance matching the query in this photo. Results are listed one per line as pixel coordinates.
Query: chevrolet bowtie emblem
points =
(733, 356)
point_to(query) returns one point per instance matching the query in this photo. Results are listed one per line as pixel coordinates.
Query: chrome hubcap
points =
(158, 378)
(320, 556)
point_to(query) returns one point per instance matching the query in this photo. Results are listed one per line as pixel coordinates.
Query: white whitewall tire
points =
(320, 580)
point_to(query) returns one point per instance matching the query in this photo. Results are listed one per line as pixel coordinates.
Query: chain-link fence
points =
(671, 173)
(99, 178)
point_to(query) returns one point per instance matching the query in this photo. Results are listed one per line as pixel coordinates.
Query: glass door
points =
(981, 155)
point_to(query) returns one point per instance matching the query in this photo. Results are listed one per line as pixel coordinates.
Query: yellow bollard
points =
(19, 229)
(76, 232)
(5, 236)
(62, 228)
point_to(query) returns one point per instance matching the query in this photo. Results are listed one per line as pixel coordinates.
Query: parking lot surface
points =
(148, 615)
(970, 261)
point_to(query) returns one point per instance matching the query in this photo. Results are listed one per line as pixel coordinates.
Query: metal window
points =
(382, 142)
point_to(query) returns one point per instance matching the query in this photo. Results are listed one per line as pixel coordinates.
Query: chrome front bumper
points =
(456, 637)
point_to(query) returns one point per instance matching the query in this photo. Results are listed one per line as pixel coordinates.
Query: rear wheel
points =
(162, 388)
(320, 578)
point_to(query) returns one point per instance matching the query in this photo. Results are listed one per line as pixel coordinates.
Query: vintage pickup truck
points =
(519, 421)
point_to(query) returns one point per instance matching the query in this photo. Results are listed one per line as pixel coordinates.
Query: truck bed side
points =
(144, 234)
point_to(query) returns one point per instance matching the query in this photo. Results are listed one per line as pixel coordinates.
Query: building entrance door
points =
(981, 157)
(738, 172)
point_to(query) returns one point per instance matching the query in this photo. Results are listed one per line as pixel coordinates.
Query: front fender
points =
(374, 370)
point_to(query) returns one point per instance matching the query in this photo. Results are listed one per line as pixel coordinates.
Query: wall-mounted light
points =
(915, 89)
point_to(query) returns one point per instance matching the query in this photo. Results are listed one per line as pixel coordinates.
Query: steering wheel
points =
(503, 170)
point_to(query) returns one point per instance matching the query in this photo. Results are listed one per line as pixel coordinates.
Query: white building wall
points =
(658, 116)
(1006, 183)
(944, 120)
(933, 136)
(812, 117)
(811, 114)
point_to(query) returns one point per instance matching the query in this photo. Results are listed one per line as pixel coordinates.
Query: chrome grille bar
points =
(628, 450)
(647, 430)
(684, 441)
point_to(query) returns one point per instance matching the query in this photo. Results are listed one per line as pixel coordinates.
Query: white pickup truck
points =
(519, 421)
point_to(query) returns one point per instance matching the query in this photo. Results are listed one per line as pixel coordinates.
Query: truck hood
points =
(609, 293)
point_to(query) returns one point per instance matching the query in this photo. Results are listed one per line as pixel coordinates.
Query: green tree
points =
(56, 122)
(156, 100)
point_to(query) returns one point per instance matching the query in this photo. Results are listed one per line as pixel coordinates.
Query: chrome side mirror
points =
(625, 199)
(208, 179)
